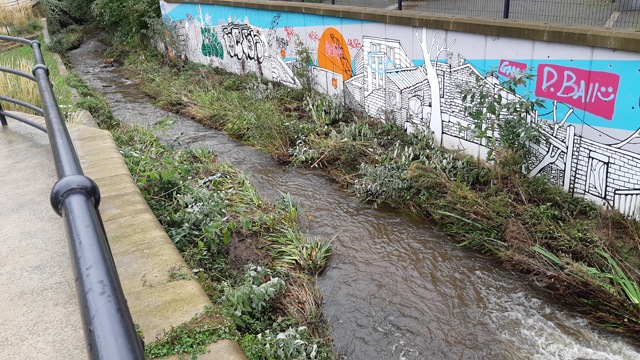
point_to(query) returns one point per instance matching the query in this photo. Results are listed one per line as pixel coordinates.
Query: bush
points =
(64, 13)
(294, 343)
(127, 20)
(249, 304)
(67, 39)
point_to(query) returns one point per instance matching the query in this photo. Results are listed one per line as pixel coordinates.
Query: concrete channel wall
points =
(410, 67)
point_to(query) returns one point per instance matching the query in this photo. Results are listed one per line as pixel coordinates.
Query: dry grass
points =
(18, 87)
(18, 17)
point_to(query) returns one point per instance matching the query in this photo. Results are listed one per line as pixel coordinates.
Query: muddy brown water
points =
(395, 288)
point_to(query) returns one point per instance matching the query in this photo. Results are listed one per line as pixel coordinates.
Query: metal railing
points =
(108, 326)
(597, 13)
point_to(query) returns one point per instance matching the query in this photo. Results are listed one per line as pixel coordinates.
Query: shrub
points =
(293, 343)
(126, 20)
(249, 304)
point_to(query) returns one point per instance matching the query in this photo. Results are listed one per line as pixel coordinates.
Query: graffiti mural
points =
(333, 53)
(237, 47)
(510, 69)
(211, 46)
(413, 76)
(593, 91)
(243, 43)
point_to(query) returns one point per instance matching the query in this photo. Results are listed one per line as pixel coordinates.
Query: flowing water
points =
(395, 288)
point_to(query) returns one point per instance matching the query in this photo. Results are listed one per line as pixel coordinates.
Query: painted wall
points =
(413, 75)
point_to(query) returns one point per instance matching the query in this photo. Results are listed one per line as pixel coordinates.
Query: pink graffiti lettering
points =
(314, 36)
(592, 91)
(291, 33)
(354, 43)
(511, 68)
(333, 50)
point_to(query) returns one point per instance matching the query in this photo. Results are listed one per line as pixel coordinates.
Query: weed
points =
(293, 343)
(93, 103)
(301, 70)
(192, 337)
(325, 110)
(249, 305)
(203, 205)
(177, 273)
(66, 40)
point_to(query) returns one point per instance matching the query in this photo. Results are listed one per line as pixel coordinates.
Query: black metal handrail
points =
(108, 326)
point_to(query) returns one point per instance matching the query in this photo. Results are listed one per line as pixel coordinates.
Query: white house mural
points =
(412, 76)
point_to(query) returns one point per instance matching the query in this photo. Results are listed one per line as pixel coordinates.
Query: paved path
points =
(39, 315)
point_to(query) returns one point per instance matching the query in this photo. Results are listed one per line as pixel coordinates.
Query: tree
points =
(432, 77)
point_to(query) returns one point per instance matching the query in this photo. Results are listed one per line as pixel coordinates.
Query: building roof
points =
(406, 78)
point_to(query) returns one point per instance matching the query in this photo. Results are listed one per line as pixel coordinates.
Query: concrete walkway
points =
(39, 315)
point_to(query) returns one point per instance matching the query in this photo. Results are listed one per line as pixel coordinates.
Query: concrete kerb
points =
(144, 254)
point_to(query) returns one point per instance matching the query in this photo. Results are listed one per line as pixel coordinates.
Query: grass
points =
(530, 225)
(19, 21)
(26, 90)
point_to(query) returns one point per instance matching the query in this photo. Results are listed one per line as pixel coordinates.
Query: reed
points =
(18, 21)
(18, 87)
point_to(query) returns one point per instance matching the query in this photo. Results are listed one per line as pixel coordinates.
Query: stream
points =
(395, 288)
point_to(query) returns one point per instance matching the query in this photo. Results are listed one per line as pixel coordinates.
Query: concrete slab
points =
(221, 350)
(161, 307)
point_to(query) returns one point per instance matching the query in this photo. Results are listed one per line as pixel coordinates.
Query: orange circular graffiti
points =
(333, 53)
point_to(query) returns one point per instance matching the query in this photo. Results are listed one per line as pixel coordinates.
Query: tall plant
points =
(501, 117)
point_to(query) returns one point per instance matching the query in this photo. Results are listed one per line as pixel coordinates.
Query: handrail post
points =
(505, 14)
(3, 119)
(400, 5)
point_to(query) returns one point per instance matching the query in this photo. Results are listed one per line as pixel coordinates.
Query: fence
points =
(599, 13)
(108, 326)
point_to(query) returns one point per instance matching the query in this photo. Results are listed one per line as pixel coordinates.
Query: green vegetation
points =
(210, 211)
(19, 21)
(92, 102)
(494, 209)
(129, 21)
(26, 90)
(67, 39)
(588, 256)
(192, 337)
(496, 109)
